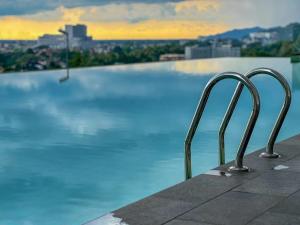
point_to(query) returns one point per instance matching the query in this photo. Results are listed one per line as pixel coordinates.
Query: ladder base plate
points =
(273, 155)
(238, 169)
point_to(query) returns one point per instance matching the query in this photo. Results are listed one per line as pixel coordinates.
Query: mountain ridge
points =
(283, 31)
(235, 33)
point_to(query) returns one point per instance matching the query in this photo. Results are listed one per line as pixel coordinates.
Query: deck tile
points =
(281, 183)
(276, 219)
(233, 208)
(152, 211)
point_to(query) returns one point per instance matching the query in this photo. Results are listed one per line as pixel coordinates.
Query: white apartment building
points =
(265, 38)
(52, 41)
(213, 51)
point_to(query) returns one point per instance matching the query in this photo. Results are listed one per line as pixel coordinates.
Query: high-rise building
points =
(77, 31)
(77, 34)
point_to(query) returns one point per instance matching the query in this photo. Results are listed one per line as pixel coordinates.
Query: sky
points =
(142, 19)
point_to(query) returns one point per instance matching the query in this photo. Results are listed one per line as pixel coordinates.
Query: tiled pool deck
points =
(265, 196)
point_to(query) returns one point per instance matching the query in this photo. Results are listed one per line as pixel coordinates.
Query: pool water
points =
(109, 136)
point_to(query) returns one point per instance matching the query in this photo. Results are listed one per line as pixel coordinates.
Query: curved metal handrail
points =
(198, 114)
(280, 119)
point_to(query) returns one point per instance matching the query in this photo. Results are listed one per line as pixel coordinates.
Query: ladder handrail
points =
(199, 111)
(280, 119)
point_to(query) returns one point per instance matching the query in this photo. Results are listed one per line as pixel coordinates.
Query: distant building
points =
(296, 32)
(225, 51)
(196, 52)
(212, 51)
(52, 41)
(12, 45)
(77, 31)
(171, 57)
(77, 38)
(265, 38)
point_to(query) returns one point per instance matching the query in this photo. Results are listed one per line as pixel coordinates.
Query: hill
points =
(235, 34)
(289, 32)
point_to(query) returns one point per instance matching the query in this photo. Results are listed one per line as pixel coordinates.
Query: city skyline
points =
(141, 19)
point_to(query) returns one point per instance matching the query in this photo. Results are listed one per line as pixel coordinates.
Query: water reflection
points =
(296, 76)
(211, 67)
(65, 78)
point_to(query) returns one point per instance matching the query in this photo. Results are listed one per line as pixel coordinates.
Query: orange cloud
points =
(72, 15)
(119, 26)
(17, 28)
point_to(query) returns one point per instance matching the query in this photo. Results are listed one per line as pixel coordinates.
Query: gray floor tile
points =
(259, 164)
(152, 211)
(201, 188)
(186, 222)
(232, 208)
(293, 164)
(281, 183)
(290, 205)
(288, 150)
(276, 219)
(292, 140)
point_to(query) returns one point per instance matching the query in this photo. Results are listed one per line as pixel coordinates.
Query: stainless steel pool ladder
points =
(269, 153)
(198, 114)
(274, 133)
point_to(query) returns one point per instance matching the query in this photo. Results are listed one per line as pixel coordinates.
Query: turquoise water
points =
(109, 136)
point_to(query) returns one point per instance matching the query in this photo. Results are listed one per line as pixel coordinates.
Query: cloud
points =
(266, 13)
(17, 28)
(132, 12)
(22, 7)
(142, 19)
(200, 5)
(167, 19)
(236, 13)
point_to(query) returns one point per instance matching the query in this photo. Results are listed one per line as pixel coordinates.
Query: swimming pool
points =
(109, 136)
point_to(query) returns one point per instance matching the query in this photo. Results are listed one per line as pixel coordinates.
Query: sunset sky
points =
(142, 19)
